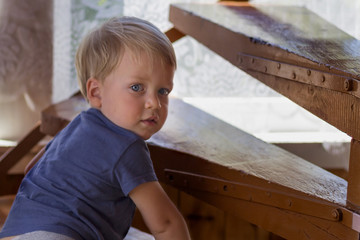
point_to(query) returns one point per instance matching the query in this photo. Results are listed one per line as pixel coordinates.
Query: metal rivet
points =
(278, 65)
(336, 214)
(294, 75)
(348, 84)
(308, 72)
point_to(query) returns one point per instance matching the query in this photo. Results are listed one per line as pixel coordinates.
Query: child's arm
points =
(159, 213)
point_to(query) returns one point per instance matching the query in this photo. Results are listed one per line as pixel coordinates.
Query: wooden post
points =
(353, 190)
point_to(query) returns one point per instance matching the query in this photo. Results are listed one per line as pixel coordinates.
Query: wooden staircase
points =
(236, 172)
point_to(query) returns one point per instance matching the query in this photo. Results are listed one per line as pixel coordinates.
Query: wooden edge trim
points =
(173, 34)
(14, 154)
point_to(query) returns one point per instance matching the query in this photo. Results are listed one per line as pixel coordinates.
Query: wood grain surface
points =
(284, 34)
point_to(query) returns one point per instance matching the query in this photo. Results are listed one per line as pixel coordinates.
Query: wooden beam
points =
(173, 34)
(230, 29)
(10, 183)
(14, 154)
(353, 192)
(57, 116)
(284, 223)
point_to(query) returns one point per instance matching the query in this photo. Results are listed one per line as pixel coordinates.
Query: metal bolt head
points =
(336, 214)
(348, 84)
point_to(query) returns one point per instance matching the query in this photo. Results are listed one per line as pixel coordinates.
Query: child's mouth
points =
(150, 121)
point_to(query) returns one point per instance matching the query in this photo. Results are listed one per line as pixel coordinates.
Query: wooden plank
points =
(281, 34)
(5, 205)
(14, 154)
(284, 223)
(173, 34)
(338, 109)
(269, 29)
(253, 193)
(10, 183)
(57, 116)
(353, 195)
(204, 221)
(237, 228)
(237, 156)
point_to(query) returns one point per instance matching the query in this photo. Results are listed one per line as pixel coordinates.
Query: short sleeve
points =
(135, 167)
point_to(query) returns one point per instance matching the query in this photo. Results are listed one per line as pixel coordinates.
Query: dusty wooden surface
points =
(273, 27)
(238, 156)
(291, 35)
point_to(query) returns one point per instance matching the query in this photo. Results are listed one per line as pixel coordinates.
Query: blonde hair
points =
(102, 49)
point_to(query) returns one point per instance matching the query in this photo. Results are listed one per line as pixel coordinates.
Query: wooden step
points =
(236, 172)
(193, 132)
(288, 48)
(243, 175)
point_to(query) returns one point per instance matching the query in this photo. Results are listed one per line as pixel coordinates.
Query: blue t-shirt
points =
(80, 186)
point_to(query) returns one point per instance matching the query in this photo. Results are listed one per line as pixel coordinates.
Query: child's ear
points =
(93, 89)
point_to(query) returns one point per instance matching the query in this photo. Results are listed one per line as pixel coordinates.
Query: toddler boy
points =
(98, 168)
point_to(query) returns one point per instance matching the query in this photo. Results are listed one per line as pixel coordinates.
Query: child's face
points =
(135, 95)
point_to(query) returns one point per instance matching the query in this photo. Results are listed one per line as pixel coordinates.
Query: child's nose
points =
(152, 102)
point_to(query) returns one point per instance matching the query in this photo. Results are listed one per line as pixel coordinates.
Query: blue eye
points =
(164, 91)
(137, 88)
